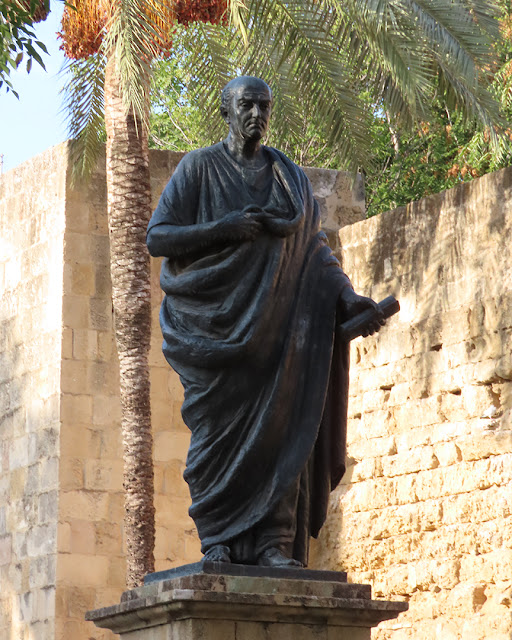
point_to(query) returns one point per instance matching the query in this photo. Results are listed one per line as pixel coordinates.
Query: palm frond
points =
(210, 67)
(387, 58)
(291, 41)
(321, 55)
(237, 12)
(84, 107)
(475, 102)
(404, 41)
(132, 39)
(485, 13)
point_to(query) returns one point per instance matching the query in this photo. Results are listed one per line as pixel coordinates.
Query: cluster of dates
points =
(213, 11)
(38, 9)
(84, 22)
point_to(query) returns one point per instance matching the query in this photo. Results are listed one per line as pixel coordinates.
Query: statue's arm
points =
(172, 241)
(354, 304)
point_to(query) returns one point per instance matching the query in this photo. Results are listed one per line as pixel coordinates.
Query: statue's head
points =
(246, 104)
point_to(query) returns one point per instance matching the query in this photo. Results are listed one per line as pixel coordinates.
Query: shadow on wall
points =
(435, 383)
(447, 259)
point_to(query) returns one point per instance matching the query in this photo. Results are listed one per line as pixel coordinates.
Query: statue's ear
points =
(225, 114)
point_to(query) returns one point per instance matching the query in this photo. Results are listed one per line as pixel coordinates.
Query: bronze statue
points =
(253, 296)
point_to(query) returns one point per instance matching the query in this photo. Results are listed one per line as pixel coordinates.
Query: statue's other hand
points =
(353, 304)
(240, 225)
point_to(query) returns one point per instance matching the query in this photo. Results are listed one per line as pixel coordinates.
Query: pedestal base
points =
(208, 605)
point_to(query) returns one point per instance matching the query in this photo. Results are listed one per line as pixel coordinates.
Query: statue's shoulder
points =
(200, 157)
(294, 169)
(193, 167)
(283, 157)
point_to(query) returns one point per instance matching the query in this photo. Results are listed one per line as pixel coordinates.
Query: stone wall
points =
(424, 511)
(61, 498)
(32, 220)
(91, 554)
(90, 563)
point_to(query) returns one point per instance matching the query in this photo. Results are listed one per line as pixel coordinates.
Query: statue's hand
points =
(353, 304)
(277, 224)
(241, 225)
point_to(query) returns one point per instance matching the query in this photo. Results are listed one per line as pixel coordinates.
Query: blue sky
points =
(35, 122)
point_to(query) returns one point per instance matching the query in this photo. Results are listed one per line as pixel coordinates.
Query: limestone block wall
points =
(90, 561)
(61, 495)
(32, 222)
(341, 198)
(91, 553)
(424, 511)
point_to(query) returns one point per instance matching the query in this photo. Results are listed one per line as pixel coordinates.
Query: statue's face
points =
(249, 110)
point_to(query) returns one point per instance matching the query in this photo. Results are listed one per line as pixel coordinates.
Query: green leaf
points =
(83, 105)
(331, 63)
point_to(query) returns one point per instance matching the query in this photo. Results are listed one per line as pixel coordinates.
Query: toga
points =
(250, 329)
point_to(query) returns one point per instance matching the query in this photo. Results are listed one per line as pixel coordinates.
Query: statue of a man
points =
(252, 297)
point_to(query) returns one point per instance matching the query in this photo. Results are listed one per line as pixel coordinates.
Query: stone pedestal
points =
(226, 602)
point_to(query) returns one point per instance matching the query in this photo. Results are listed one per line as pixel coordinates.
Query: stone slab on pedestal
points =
(248, 570)
(218, 606)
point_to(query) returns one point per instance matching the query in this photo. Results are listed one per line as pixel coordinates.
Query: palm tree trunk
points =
(129, 209)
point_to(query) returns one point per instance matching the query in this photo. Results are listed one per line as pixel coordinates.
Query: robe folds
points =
(250, 329)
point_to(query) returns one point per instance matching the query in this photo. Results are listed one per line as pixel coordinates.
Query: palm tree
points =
(323, 52)
(116, 76)
(129, 209)
(341, 59)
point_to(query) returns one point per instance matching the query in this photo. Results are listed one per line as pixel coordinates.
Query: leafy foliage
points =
(402, 53)
(175, 121)
(442, 149)
(84, 105)
(17, 39)
(177, 103)
(408, 165)
(403, 164)
(447, 150)
(340, 60)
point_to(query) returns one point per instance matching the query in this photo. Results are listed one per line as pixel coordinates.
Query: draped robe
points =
(250, 328)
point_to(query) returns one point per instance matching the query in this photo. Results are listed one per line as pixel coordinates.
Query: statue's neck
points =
(248, 153)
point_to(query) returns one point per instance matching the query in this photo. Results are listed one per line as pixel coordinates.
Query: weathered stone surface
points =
(341, 197)
(269, 607)
(431, 521)
(32, 223)
(238, 573)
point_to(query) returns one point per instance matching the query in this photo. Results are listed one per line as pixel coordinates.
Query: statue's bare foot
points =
(274, 557)
(217, 553)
